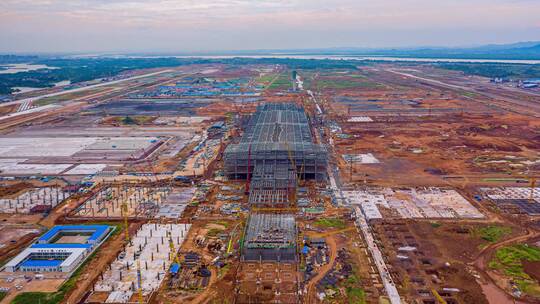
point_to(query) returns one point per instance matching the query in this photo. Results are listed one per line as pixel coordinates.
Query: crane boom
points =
(173, 256)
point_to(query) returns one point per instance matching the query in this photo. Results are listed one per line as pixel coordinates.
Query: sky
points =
(90, 26)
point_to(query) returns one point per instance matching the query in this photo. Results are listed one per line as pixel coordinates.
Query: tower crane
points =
(173, 256)
(293, 164)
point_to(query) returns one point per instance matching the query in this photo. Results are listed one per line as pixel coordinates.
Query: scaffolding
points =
(275, 134)
(270, 237)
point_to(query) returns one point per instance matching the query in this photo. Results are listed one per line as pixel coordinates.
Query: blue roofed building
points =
(61, 249)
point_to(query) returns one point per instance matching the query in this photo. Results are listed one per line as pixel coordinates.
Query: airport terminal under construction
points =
(256, 183)
(277, 148)
(270, 237)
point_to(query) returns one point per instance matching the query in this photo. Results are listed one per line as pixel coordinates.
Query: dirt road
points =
(310, 287)
(104, 256)
(483, 258)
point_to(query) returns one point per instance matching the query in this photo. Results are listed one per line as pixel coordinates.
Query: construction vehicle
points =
(438, 296)
(230, 246)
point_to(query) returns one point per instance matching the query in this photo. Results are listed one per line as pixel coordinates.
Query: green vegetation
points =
(133, 120)
(85, 69)
(213, 232)
(345, 83)
(2, 295)
(356, 295)
(223, 270)
(510, 261)
(79, 70)
(66, 97)
(469, 94)
(283, 81)
(265, 79)
(435, 224)
(493, 233)
(222, 223)
(128, 121)
(492, 70)
(330, 223)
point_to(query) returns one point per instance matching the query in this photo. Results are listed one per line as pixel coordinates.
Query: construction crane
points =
(248, 178)
(230, 244)
(139, 282)
(438, 296)
(293, 164)
(173, 256)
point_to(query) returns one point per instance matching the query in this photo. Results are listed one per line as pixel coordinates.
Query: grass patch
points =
(65, 97)
(223, 270)
(45, 101)
(132, 120)
(330, 223)
(2, 295)
(223, 223)
(266, 79)
(435, 224)
(356, 295)
(213, 232)
(469, 94)
(283, 81)
(493, 234)
(345, 84)
(510, 259)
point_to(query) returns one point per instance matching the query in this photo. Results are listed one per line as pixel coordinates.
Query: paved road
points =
(388, 283)
(362, 224)
(509, 104)
(32, 99)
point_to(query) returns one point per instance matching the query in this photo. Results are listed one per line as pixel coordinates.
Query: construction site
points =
(262, 183)
(141, 267)
(34, 200)
(411, 203)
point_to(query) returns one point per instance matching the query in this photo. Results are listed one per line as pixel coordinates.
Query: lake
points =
(13, 68)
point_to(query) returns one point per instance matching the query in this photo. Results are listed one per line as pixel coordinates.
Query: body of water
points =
(22, 67)
(360, 58)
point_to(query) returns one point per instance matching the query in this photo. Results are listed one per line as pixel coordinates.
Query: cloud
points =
(202, 24)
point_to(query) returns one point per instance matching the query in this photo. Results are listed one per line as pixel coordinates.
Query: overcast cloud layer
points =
(205, 25)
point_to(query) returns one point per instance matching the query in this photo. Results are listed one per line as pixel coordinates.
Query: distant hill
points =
(521, 50)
